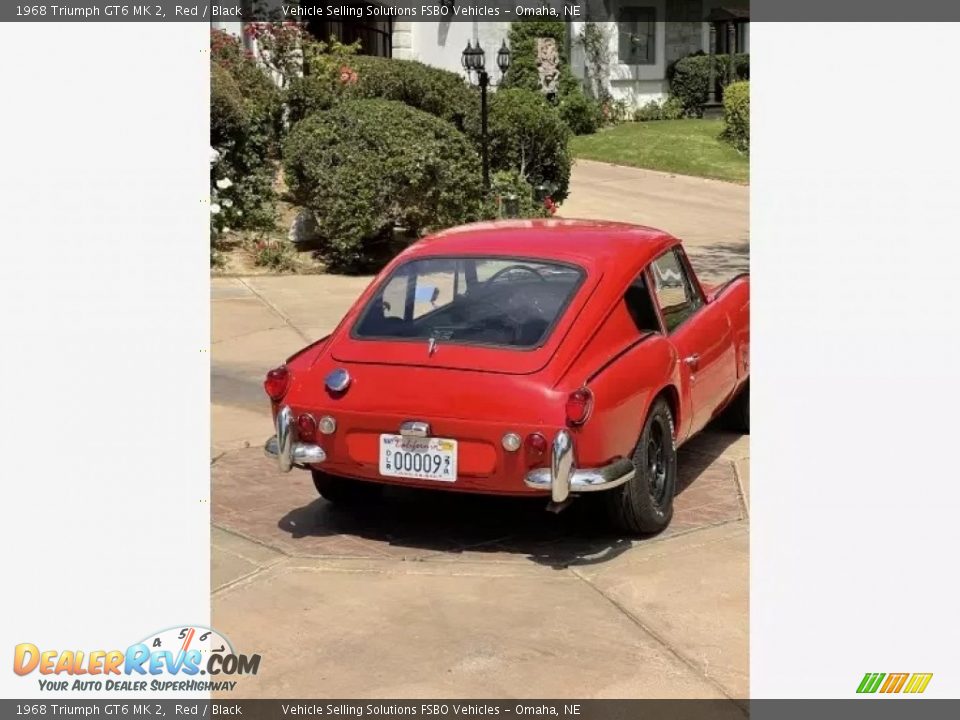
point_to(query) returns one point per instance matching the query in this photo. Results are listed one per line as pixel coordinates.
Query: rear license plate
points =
(421, 458)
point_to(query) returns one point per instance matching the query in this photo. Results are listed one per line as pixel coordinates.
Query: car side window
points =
(640, 305)
(674, 292)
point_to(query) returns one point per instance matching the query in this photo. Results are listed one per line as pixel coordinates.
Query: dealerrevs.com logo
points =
(893, 683)
(181, 659)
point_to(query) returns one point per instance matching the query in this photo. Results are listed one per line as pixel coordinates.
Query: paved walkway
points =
(430, 594)
(711, 217)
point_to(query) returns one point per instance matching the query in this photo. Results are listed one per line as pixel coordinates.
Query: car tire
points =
(737, 414)
(343, 491)
(644, 505)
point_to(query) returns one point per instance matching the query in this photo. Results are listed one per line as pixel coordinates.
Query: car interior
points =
(515, 307)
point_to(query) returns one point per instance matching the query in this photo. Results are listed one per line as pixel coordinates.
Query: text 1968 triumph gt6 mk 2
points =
(544, 358)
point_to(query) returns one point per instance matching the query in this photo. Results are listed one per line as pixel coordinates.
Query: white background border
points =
(104, 330)
(855, 252)
(855, 230)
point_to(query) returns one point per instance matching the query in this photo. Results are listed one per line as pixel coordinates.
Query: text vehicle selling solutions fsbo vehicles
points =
(552, 358)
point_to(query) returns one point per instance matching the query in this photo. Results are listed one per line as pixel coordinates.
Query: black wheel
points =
(645, 504)
(737, 415)
(343, 490)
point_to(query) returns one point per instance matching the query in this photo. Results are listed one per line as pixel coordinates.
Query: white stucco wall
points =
(441, 43)
(634, 84)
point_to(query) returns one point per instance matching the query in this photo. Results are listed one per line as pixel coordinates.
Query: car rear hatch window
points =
(488, 313)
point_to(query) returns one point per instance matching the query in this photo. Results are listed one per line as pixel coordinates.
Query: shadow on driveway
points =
(435, 523)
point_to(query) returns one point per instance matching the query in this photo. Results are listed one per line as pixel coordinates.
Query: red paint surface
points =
(475, 394)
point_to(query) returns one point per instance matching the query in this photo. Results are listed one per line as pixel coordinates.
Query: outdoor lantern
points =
(472, 58)
(510, 207)
(474, 61)
(503, 57)
(478, 60)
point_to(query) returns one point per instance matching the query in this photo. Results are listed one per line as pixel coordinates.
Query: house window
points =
(637, 30)
(375, 36)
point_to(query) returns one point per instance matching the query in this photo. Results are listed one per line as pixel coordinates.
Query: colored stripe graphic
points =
(894, 683)
(918, 682)
(870, 682)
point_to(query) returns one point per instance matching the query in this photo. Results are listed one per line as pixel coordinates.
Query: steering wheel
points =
(503, 271)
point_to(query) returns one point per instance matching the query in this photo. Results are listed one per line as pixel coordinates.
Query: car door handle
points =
(692, 361)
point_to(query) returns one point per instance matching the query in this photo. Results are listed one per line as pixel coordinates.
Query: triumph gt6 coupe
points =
(551, 358)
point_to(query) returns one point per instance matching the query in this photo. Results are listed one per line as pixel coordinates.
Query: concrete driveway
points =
(435, 595)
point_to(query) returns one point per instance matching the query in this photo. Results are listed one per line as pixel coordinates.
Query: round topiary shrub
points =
(736, 115)
(441, 93)
(528, 135)
(368, 165)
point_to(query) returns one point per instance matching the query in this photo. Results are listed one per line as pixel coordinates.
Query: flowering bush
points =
(281, 47)
(245, 113)
(329, 69)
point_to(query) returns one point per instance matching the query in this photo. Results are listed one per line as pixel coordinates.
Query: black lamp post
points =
(475, 63)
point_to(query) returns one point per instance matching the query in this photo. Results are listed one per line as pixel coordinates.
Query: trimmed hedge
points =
(690, 78)
(441, 93)
(528, 135)
(368, 165)
(736, 115)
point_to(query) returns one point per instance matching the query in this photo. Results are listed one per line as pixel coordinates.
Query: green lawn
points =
(687, 147)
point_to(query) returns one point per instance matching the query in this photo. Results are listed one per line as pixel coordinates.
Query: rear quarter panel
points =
(625, 371)
(734, 298)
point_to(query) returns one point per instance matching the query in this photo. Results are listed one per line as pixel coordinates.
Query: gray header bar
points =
(874, 708)
(447, 10)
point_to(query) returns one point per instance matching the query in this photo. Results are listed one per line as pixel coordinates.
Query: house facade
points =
(642, 38)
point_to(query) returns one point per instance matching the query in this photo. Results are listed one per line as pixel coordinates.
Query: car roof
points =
(592, 243)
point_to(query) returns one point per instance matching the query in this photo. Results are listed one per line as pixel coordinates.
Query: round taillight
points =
(579, 405)
(306, 427)
(536, 445)
(276, 383)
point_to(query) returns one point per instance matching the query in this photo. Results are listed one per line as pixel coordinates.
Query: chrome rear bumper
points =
(284, 446)
(562, 478)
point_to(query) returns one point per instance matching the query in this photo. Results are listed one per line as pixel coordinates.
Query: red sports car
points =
(543, 358)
